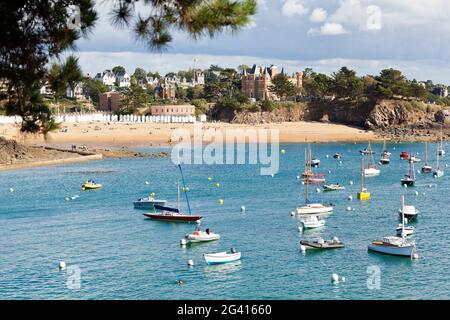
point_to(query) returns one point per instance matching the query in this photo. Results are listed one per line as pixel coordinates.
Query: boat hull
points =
(314, 245)
(363, 196)
(438, 174)
(194, 239)
(385, 161)
(221, 258)
(173, 218)
(405, 251)
(408, 183)
(371, 172)
(311, 209)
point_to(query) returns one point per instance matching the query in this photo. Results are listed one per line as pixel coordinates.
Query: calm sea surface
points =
(121, 255)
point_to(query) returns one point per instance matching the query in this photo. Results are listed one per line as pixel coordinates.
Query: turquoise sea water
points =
(123, 256)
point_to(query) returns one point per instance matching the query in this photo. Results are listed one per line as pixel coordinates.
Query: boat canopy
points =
(166, 208)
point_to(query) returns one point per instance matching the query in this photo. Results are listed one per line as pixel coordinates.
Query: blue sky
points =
(367, 35)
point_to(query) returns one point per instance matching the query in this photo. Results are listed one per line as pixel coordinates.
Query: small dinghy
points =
(337, 156)
(148, 202)
(222, 257)
(408, 212)
(90, 185)
(202, 236)
(333, 187)
(312, 222)
(322, 244)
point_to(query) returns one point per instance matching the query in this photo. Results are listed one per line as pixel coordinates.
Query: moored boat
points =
(404, 230)
(222, 257)
(426, 168)
(404, 155)
(438, 172)
(322, 244)
(202, 236)
(409, 179)
(90, 185)
(363, 194)
(333, 187)
(407, 211)
(148, 203)
(337, 156)
(312, 222)
(396, 246)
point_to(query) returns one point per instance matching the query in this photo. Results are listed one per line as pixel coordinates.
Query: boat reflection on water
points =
(223, 269)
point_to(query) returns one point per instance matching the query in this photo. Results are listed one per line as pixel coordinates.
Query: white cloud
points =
(294, 7)
(328, 29)
(318, 15)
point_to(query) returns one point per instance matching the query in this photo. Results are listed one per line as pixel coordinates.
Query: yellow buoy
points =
(187, 188)
(182, 188)
(283, 151)
(217, 185)
(209, 178)
(220, 201)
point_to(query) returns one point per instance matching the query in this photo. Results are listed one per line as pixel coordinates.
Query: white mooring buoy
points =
(302, 248)
(349, 209)
(243, 209)
(334, 278)
(190, 263)
(183, 242)
(350, 198)
(62, 265)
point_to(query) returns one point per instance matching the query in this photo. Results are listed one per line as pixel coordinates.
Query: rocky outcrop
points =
(291, 113)
(443, 116)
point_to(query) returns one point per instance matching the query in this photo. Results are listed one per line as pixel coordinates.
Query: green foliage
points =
(181, 94)
(93, 88)
(282, 87)
(139, 74)
(31, 32)
(118, 70)
(196, 92)
(346, 84)
(134, 98)
(316, 84)
(226, 84)
(56, 81)
(266, 105)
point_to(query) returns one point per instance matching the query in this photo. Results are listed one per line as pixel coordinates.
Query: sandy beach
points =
(117, 135)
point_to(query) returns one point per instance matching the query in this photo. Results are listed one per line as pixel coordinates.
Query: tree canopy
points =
(32, 32)
(282, 87)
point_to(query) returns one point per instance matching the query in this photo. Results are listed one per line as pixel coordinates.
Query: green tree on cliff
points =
(345, 84)
(282, 87)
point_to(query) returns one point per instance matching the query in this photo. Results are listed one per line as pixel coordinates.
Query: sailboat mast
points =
(426, 153)
(178, 191)
(402, 205)
(185, 192)
(307, 176)
(362, 174)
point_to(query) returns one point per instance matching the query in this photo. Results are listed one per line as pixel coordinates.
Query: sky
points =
(366, 35)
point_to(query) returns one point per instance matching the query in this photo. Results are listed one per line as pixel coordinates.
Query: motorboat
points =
(222, 257)
(315, 163)
(333, 187)
(148, 203)
(322, 244)
(410, 212)
(337, 156)
(312, 222)
(90, 185)
(202, 236)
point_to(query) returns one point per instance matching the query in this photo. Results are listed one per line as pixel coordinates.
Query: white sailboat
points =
(426, 167)
(397, 246)
(311, 208)
(441, 151)
(385, 155)
(312, 222)
(371, 170)
(438, 172)
(407, 211)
